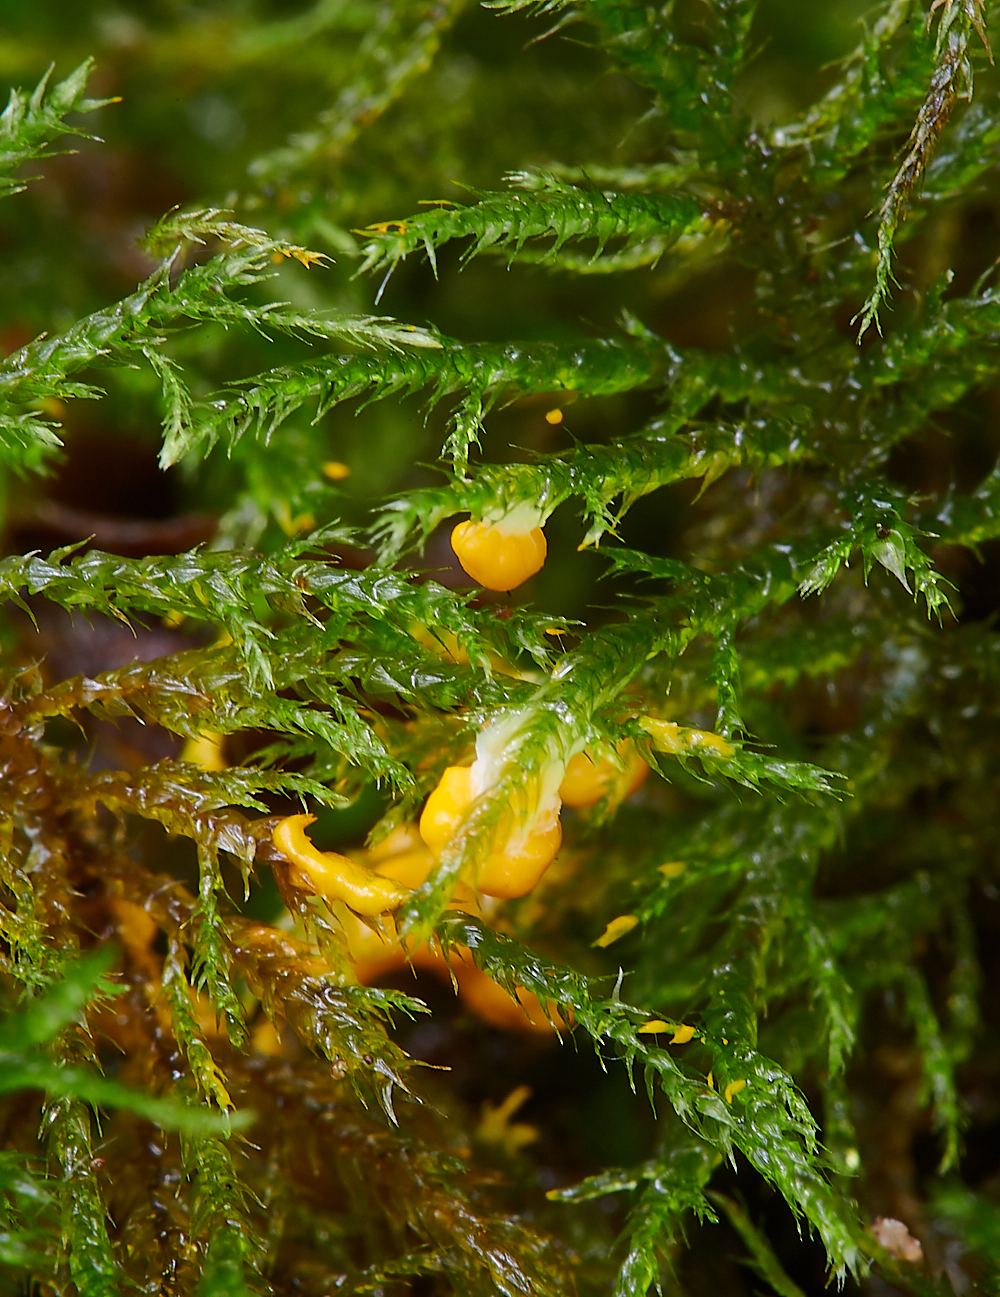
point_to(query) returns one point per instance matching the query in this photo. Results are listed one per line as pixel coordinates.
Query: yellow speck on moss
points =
(335, 470)
(681, 1032)
(306, 258)
(734, 1087)
(678, 740)
(384, 227)
(616, 928)
(673, 868)
(554, 416)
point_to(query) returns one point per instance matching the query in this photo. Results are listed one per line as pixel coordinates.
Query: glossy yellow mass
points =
(377, 951)
(586, 781)
(333, 875)
(496, 558)
(517, 860)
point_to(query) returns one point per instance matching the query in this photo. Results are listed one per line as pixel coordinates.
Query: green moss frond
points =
(30, 124)
(762, 582)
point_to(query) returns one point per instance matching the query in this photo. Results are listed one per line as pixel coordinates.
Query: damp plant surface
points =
(498, 722)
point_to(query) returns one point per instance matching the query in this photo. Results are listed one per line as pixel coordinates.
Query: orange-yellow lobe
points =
(517, 860)
(516, 870)
(494, 1005)
(377, 950)
(586, 781)
(333, 875)
(374, 958)
(404, 857)
(497, 560)
(445, 807)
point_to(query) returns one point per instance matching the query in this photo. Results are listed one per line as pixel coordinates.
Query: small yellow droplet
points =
(683, 1034)
(173, 620)
(673, 868)
(711, 1083)
(335, 470)
(725, 1041)
(734, 1087)
(616, 928)
(554, 416)
(652, 1028)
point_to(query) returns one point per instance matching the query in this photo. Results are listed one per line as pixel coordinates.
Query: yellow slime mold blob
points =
(333, 875)
(517, 860)
(586, 781)
(498, 559)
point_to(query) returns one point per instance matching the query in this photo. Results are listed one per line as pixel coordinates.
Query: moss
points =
(761, 987)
